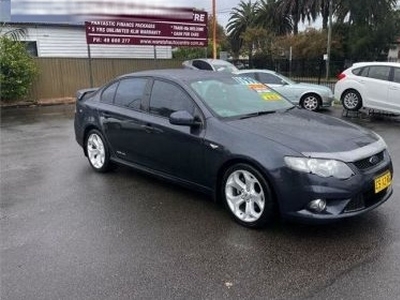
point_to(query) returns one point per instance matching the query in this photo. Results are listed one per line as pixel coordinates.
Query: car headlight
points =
(320, 167)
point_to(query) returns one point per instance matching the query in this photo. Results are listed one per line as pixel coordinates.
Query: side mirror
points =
(283, 82)
(182, 117)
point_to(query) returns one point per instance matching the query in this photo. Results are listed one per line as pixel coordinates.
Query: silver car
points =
(309, 96)
(209, 64)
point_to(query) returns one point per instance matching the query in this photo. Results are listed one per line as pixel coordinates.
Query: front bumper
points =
(344, 198)
(327, 101)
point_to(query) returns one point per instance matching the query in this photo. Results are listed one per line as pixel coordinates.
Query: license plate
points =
(382, 182)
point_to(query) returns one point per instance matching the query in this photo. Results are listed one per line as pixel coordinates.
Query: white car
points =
(309, 96)
(373, 85)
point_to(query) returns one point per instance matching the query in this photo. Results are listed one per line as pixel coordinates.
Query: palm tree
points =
(364, 12)
(14, 34)
(297, 9)
(242, 18)
(319, 7)
(270, 17)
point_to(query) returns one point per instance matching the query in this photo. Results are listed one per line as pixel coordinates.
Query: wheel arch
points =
(85, 134)
(348, 90)
(254, 164)
(357, 91)
(306, 94)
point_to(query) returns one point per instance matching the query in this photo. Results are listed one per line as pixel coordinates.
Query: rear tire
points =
(351, 100)
(97, 151)
(247, 196)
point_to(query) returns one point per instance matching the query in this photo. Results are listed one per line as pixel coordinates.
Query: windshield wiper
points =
(258, 113)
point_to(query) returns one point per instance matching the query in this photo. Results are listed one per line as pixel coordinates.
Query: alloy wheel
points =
(245, 196)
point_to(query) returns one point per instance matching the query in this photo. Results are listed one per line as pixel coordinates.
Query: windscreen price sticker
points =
(270, 96)
(264, 92)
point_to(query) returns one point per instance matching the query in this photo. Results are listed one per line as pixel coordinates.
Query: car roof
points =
(254, 70)
(185, 75)
(376, 63)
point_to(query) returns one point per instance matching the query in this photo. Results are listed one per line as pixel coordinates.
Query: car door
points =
(376, 87)
(173, 149)
(121, 117)
(394, 91)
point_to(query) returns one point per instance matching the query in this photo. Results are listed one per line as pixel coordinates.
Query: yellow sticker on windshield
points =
(270, 96)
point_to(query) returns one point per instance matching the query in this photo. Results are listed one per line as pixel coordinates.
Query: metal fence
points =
(62, 77)
(309, 71)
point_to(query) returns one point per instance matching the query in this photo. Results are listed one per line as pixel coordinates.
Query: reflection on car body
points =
(237, 140)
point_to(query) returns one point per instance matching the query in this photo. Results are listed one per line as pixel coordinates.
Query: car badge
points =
(373, 160)
(213, 146)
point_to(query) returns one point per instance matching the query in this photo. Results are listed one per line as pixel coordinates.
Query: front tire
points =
(311, 102)
(97, 152)
(351, 100)
(247, 196)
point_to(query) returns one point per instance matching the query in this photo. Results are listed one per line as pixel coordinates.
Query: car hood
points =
(310, 133)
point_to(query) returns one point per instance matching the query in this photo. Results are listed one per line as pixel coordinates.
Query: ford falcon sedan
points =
(236, 140)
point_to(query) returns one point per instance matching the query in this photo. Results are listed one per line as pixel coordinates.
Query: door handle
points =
(151, 129)
(147, 128)
(106, 115)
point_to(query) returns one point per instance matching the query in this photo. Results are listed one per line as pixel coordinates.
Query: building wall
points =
(70, 41)
(394, 53)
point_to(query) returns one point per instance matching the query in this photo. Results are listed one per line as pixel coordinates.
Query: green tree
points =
(298, 10)
(17, 69)
(14, 34)
(271, 18)
(242, 18)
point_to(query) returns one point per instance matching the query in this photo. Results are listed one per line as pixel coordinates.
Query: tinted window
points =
(167, 98)
(108, 94)
(364, 72)
(396, 75)
(379, 72)
(251, 75)
(130, 92)
(269, 78)
(356, 71)
(202, 65)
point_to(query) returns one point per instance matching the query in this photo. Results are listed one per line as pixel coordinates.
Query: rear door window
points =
(108, 94)
(202, 65)
(379, 72)
(130, 92)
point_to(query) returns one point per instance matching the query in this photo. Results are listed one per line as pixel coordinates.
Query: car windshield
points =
(239, 97)
(225, 68)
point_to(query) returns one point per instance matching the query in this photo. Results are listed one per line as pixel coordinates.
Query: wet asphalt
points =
(70, 233)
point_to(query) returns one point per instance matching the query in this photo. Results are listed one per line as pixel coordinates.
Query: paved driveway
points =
(70, 233)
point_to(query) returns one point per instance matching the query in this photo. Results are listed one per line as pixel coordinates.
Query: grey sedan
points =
(309, 96)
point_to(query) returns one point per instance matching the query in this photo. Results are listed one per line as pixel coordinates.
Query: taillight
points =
(341, 76)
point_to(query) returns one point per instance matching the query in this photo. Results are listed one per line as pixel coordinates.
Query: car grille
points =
(365, 200)
(369, 162)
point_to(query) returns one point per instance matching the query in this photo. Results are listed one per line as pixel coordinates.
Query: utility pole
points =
(214, 30)
(328, 50)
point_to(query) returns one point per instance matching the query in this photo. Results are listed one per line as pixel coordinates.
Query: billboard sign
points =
(149, 31)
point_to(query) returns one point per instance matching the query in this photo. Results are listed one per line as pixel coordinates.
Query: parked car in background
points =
(309, 96)
(209, 64)
(235, 139)
(374, 85)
